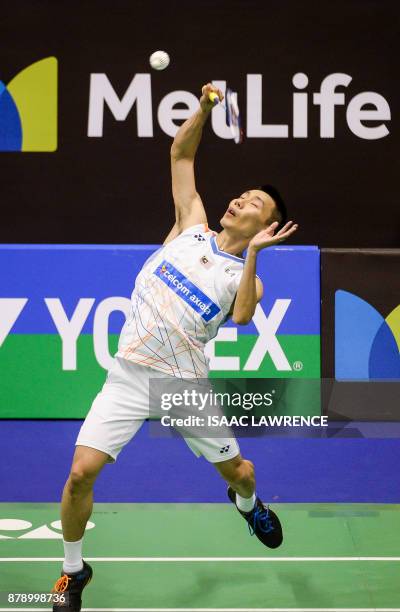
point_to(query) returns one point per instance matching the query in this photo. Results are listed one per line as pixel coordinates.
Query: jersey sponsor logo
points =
(190, 293)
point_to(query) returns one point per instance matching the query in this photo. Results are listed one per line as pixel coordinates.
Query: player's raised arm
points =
(188, 205)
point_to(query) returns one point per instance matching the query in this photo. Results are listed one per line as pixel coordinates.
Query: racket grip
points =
(213, 97)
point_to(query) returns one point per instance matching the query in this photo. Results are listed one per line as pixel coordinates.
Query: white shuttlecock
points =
(159, 60)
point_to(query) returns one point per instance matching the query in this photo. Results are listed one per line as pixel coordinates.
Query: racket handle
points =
(213, 97)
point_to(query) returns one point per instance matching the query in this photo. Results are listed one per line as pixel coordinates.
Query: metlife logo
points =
(367, 106)
(367, 113)
(62, 309)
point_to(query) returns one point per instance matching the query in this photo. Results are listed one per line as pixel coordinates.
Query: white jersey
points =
(182, 296)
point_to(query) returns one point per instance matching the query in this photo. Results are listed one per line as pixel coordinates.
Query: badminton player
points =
(185, 291)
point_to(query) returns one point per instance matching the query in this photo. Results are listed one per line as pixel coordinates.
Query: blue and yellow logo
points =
(367, 346)
(28, 109)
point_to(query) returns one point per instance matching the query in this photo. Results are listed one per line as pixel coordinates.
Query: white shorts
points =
(122, 406)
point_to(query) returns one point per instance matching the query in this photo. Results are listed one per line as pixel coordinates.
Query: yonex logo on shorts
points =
(191, 294)
(225, 449)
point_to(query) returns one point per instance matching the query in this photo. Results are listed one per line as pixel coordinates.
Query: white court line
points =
(206, 560)
(214, 609)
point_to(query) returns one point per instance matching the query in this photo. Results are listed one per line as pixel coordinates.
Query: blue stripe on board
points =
(72, 272)
(287, 470)
(68, 274)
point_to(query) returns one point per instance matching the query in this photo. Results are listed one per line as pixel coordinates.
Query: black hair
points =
(279, 202)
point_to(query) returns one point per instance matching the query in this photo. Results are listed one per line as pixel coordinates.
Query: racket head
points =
(233, 115)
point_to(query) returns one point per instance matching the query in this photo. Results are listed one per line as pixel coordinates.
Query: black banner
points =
(317, 85)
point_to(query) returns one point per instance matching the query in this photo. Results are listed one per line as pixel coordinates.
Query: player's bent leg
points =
(77, 498)
(262, 521)
(76, 508)
(116, 414)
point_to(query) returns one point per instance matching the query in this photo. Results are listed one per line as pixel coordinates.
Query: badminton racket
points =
(232, 113)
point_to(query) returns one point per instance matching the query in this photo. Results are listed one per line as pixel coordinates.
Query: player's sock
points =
(73, 561)
(245, 504)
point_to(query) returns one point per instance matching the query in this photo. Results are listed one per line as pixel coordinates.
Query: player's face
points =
(250, 213)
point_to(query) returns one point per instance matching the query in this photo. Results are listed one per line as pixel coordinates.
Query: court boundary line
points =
(214, 609)
(203, 560)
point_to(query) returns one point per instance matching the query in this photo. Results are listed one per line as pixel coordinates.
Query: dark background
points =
(116, 189)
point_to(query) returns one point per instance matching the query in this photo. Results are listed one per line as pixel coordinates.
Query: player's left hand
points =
(267, 237)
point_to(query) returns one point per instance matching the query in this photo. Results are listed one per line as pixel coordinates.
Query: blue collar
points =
(217, 251)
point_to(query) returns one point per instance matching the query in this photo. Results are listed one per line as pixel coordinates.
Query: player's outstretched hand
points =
(267, 237)
(205, 101)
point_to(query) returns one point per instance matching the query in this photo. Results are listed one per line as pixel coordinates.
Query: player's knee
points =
(81, 479)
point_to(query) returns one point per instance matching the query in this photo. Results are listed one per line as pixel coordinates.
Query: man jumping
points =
(185, 291)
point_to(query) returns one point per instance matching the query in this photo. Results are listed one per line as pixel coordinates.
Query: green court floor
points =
(191, 557)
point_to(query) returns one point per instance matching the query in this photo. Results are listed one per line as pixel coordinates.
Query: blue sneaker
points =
(71, 586)
(262, 522)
